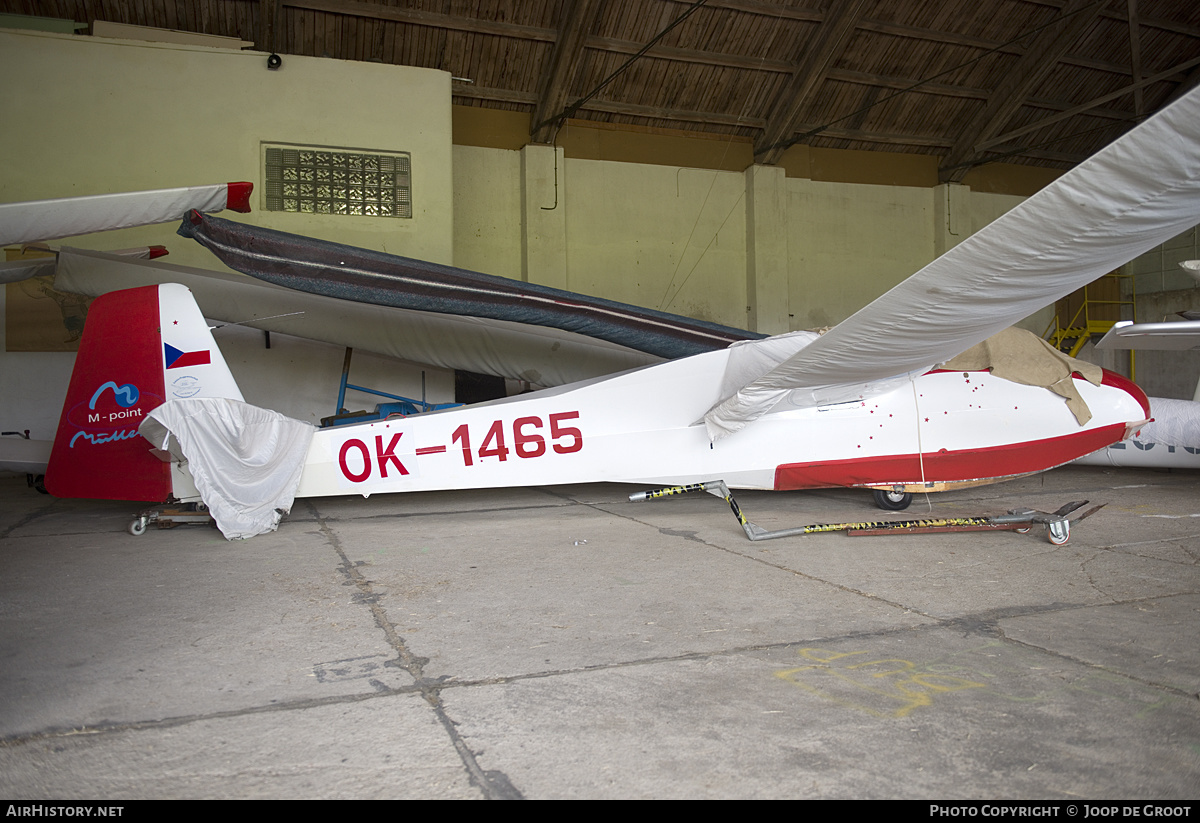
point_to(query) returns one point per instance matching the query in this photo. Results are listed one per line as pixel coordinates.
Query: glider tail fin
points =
(141, 347)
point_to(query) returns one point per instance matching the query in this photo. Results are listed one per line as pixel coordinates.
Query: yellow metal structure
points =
(1093, 310)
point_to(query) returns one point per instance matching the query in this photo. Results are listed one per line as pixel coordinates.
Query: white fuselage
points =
(939, 430)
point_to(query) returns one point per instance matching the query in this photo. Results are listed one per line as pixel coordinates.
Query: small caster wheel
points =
(892, 500)
(1024, 530)
(1059, 532)
(201, 507)
(138, 527)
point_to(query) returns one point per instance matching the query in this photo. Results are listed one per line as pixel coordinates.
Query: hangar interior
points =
(769, 166)
(766, 164)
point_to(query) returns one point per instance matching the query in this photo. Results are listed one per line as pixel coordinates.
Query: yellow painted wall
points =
(666, 238)
(487, 210)
(850, 243)
(86, 115)
(674, 238)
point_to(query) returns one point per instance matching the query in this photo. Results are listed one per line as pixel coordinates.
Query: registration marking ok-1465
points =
(358, 459)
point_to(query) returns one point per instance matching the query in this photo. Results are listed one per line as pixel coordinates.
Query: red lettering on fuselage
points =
(388, 454)
(383, 456)
(366, 458)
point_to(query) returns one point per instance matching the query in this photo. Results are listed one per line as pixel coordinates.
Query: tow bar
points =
(1058, 523)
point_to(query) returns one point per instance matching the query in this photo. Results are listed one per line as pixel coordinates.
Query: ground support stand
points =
(170, 515)
(1057, 523)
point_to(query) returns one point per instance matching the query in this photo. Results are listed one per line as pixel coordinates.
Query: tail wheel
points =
(892, 500)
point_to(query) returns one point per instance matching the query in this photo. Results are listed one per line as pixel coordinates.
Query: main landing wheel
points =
(892, 501)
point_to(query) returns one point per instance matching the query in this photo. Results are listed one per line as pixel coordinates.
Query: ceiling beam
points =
(829, 41)
(1091, 104)
(1135, 56)
(578, 19)
(425, 18)
(703, 58)
(1030, 69)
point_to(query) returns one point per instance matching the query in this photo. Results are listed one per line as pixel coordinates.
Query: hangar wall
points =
(697, 241)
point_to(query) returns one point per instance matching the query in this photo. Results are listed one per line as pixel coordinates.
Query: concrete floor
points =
(564, 643)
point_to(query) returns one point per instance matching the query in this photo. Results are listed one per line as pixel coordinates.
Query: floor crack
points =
(495, 785)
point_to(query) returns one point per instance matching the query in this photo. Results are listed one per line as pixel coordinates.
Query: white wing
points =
(1131, 196)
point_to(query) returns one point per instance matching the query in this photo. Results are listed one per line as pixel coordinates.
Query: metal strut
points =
(1058, 523)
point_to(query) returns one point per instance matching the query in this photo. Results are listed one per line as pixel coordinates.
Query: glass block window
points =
(333, 181)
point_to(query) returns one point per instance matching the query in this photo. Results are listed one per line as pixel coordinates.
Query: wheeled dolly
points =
(169, 516)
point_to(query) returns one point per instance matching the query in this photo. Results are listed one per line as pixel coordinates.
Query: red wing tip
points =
(238, 197)
(156, 251)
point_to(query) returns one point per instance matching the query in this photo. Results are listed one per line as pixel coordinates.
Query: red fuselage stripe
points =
(993, 462)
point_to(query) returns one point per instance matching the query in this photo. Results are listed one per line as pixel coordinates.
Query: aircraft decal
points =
(176, 359)
(129, 392)
(185, 386)
(102, 421)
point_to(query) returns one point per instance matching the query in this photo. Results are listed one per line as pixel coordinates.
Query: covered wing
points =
(71, 216)
(366, 276)
(1131, 196)
(547, 357)
(14, 271)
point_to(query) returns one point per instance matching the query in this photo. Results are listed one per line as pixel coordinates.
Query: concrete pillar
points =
(766, 250)
(543, 216)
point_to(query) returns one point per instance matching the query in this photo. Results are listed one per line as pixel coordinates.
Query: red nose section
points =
(1117, 381)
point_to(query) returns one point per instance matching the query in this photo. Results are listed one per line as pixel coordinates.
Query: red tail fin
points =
(118, 378)
(140, 347)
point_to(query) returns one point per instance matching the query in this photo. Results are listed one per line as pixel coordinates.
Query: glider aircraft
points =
(899, 398)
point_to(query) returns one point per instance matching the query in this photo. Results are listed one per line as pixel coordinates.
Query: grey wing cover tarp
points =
(1136, 193)
(245, 461)
(366, 276)
(548, 357)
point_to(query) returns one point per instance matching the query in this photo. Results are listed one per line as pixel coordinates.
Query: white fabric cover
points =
(1133, 195)
(751, 359)
(245, 461)
(14, 271)
(1176, 423)
(70, 216)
